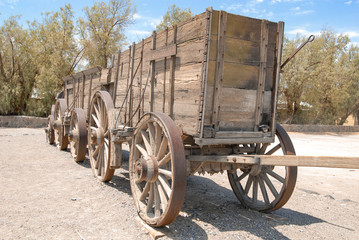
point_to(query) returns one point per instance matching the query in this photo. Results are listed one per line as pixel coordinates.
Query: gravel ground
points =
(46, 195)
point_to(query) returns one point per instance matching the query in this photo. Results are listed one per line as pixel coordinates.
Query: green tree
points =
(174, 15)
(17, 67)
(57, 54)
(102, 31)
(321, 85)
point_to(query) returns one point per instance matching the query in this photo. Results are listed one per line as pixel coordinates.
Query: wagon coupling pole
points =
(310, 39)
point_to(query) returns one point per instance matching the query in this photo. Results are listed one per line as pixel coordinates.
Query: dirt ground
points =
(44, 194)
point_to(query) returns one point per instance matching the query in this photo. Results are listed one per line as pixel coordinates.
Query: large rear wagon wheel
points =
(59, 113)
(78, 135)
(99, 136)
(157, 169)
(266, 188)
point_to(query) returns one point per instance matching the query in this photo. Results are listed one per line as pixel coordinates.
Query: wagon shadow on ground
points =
(210, 208)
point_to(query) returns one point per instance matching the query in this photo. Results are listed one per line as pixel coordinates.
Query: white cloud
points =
(348, 2)
(352, 34)
(279, 1)
(139, 32)
(304, 12)
(137, 16)
(302, 31)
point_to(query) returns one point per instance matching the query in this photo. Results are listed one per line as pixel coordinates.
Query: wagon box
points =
(198, 97)
(215, 75)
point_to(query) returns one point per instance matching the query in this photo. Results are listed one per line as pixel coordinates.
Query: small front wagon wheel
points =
(99, 137)
(266, 188)
(157, 169)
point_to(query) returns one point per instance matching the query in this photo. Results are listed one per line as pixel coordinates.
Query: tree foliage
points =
(102, 30)
(34, 60)
(174, 15)
(321, 85)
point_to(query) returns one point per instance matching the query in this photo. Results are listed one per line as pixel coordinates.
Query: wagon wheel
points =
(78, 135)
(266, 188)
(50, 134)
(99, 140)
(157, 169)
(60, 138)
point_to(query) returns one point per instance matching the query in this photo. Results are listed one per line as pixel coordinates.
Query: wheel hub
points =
(57, 124)
(73, 135)
(255, 170)
(146, 169)
(97, 136)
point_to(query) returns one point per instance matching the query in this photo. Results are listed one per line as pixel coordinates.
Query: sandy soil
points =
(46, 195)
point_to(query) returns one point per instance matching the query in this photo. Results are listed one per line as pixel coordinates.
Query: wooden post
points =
(116, 79)
(262, 74)
(140, 100)
(164, 75)
(172, 76)
(280, 33)
(128, 79)
(218, 80)
(83, 91)
(153, 74)
(89, 96)
(131, 85)
(204, 72)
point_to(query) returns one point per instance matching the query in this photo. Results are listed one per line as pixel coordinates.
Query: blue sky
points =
(300, 16)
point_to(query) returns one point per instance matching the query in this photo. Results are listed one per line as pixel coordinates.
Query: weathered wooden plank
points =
(287, 160)
(162, 53)
(309, 161)
(262, 75)
(218, 80)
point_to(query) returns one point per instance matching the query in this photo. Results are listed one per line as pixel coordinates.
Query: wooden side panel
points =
(187, 71)
(241, 72)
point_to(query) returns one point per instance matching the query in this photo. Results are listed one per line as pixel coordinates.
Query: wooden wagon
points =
(199, 97)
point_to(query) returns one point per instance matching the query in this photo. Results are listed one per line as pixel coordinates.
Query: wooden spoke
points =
(270, 185)
(95, 153)
(145, 191)
(263, 148)
(255, 189)
(263, 190)
(142, 150)
(165, 172)
(248, 184)
(98, 114)
(157, 138)
(280, 183)
(163, 147)
(242, 176)
(165, 184)
(273, 150)
(273, 174)
(151, 132)
(164, 160)
(146, 141)
(150, 199)
(157, 201)
(163, 196)
(96, 120)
